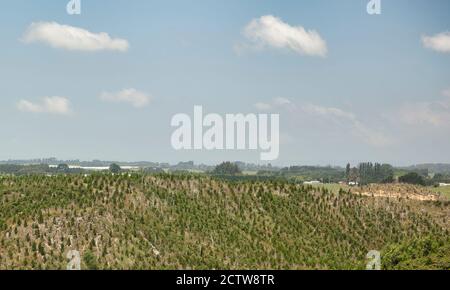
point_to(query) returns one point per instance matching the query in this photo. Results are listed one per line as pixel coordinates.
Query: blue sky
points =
(381, 92)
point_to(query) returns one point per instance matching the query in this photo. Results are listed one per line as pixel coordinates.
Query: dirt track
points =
(397, 191)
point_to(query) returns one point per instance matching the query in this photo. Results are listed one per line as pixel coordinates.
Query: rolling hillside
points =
(198, 222)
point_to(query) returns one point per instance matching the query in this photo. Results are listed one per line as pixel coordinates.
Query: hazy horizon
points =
(258, 163)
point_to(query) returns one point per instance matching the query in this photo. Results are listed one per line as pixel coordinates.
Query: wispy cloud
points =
(435, 113)
(131, 96)
(50, 105)
(356, 127)
(439, 42)
(273, 104)
(333, 117)
(72, 38)
(279, 101)
(271, 32)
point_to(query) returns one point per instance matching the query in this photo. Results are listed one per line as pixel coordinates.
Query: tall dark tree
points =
(63, 168)
(375, 173)
(227, 168)
(412, 178)
(348, 171)
(114, 168)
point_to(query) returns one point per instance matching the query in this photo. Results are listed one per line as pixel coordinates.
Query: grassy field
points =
(445, 190)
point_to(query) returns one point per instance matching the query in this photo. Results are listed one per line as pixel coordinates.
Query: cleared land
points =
(405, 191)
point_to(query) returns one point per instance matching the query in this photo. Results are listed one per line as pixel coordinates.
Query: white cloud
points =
(132, 96)
(72, 38)
(436, 113)
(281, 101)
(439, 42)
(276, 102)
(270, 31)
(51, 105)
(328, 111)
(356, 127)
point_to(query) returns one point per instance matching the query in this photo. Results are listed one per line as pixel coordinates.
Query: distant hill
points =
(197, 222)
(442, 168)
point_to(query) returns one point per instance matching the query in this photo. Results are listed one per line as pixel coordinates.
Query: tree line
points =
(368, 172)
